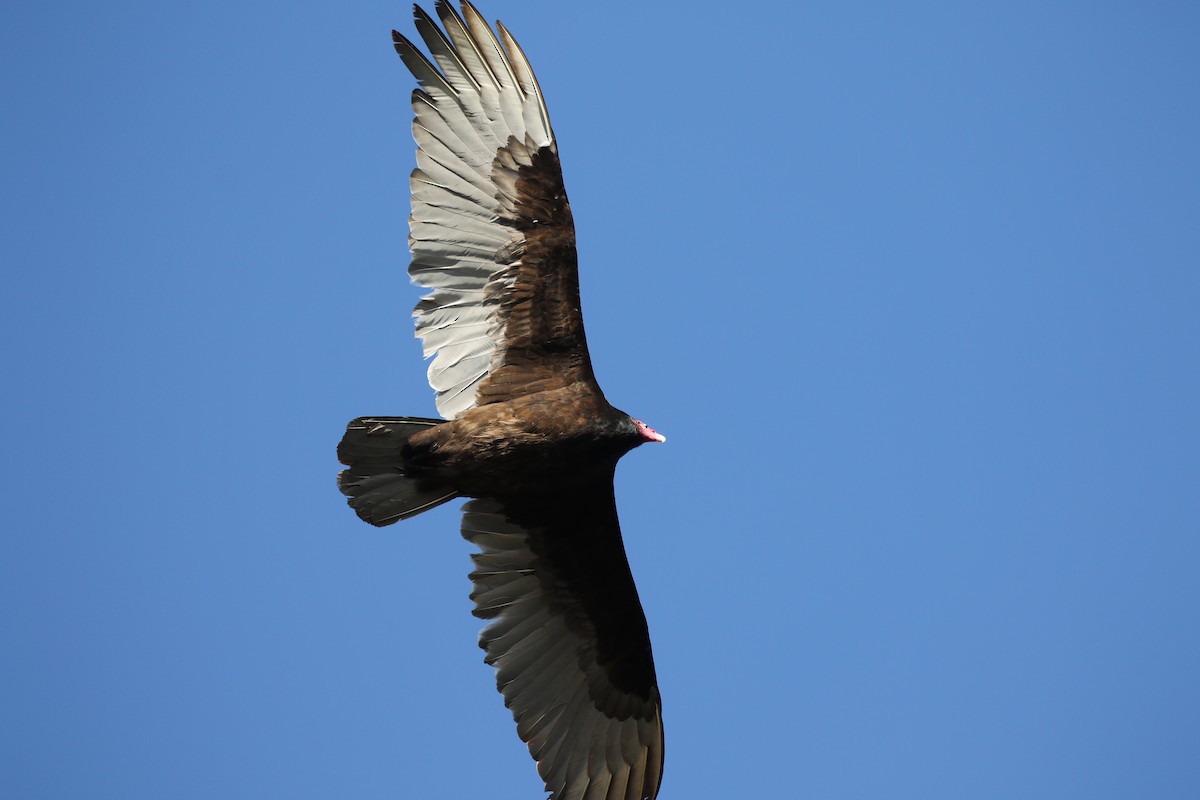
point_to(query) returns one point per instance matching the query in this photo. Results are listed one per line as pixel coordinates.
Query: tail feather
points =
(378, 488)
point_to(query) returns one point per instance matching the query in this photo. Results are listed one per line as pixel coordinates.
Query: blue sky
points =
(912, 289)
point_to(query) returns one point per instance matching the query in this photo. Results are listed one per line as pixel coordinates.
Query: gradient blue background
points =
(912, 289)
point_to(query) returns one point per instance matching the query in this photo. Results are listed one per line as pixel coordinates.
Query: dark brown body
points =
(525, 445)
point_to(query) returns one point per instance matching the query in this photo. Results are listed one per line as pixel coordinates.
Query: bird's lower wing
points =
(569, 642)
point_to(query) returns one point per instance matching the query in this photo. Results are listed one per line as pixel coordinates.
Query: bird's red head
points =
(648, 433)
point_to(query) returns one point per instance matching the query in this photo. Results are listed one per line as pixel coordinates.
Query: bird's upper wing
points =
(491, 231)
(569, 641)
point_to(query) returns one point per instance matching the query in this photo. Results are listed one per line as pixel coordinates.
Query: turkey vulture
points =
(527, 434)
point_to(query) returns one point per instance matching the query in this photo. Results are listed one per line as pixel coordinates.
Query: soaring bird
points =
(527, 434)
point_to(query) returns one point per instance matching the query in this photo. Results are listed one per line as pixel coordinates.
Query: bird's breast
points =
(518, 447)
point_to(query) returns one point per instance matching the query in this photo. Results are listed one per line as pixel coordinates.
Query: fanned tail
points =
(378, 488)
